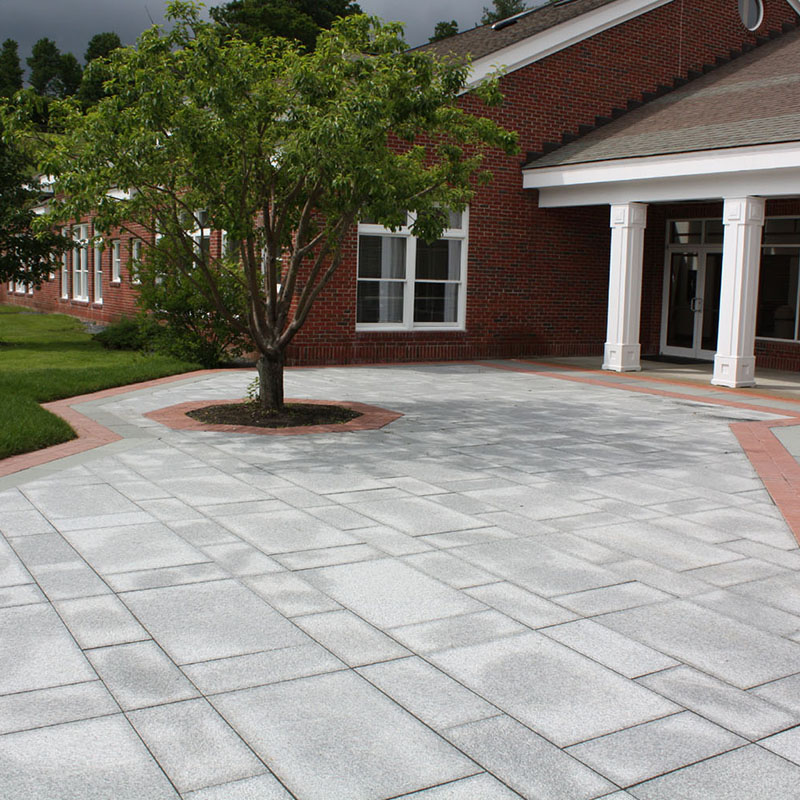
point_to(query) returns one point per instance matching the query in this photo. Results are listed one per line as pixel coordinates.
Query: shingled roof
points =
(484, 40)
(750, 101)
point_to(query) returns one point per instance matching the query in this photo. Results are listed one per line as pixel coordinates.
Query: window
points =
(116, 261)
(64, 270)
(98, 273)
(80, 263)
(404, 283)
(136, 257)
(751, 12)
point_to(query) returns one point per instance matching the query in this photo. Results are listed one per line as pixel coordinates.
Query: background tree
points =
(502, 9)
(301, 20)
(10, 69)
(281, 149)
(25, 256)
(444, 30)
(44, 63)
(70, 73)
(100, 46)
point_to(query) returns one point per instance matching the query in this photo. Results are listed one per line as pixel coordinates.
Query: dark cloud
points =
(71, 23)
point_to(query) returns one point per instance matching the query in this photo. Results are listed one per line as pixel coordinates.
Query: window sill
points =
(775, 339)
(377, 328)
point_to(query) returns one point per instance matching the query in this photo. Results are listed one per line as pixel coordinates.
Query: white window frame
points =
(136, 255)
(65, 270)
(98, 274)
(80, 263)
(461, 234)
(116, 261)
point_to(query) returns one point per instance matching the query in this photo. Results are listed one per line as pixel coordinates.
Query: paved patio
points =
(524, 587)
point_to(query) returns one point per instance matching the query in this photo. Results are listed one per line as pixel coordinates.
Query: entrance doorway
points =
(690, 321)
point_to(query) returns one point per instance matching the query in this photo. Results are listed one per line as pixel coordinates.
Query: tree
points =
(70, 73)
(45, 66)
(25, 256)
(503, 9)
(301, 20)
(283, 150)
(10, 69)
(101, 45)
(444, 30)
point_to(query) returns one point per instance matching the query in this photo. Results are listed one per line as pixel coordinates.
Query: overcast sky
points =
(71, 23)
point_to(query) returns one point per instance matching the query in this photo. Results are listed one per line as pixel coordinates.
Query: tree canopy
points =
(444, 30)
(100, 46)
(282, 149)
(502, 9)
(10, 69)
(300, 20)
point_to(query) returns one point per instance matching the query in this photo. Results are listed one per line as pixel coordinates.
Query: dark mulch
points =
(293, 415)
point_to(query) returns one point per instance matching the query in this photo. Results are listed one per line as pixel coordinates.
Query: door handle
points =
(696, 304)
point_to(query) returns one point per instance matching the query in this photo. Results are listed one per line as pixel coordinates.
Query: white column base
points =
(622, 357)
(734, 372)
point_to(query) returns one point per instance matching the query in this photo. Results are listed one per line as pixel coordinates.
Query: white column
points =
(734, 363)
(622, 349)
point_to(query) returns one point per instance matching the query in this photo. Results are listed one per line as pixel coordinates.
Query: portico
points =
(704, 143)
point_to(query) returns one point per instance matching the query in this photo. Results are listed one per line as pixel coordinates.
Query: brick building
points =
(656, 209)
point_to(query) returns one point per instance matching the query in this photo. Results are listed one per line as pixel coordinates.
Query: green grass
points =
(46, 357)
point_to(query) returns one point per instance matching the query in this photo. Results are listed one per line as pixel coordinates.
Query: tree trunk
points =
(270, 382)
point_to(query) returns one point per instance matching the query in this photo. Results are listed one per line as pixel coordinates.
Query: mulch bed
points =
(293, 415)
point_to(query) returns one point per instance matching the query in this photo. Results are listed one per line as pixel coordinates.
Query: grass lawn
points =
(47, 357)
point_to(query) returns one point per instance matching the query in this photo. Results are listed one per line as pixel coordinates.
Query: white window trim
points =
(65, 270)
(136, 255)
(116, 261)
(97, 282)
(80, 263)
(408, 324)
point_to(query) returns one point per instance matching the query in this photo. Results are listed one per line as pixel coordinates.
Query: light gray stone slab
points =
(337, 736)
(681, 584)
(330, 482)
(394, 543)
(612, 598)
(533, 565)
(24, 523)
(448, 568)
(45, 550)
(738, 711)
(644, 751)
(12, 572)
(366, 495)
(750, 611)
(292, 595)
(749, 772)
(741, 571)
(257, 669)
(417, 516)
(299, 498)
(37, 651)
(461, 538)
(427, 693)
(286, 531)
(213, 486)
(775, 555)
(482, 786)
(22, 595)
(720, 646)
(169, 509)
(521, 605)
(134, 547)
(748, 525)
(528, 763)
(535, 503)
(165, 576)
(58, 502)
(194, 745)
(202, 532)
(102, 758)
(14, 500)
(240, 558)
(350, 638)
(328, 556)
(388, 593)
(94, 521)
(457, 631)
(36, 709)
(140, 675)
(612, 649)
(262, 787)
(100, 621)
(780, 591)
(64, 581)
(784, 693)
(557, 692)
(218, 510)
(341, 517)
(786, 744)
(200, 621)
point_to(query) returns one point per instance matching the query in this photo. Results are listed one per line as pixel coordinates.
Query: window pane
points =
(777, 293)
(380, 301)
(381, 257)
(686, 231)
(436, 302)
(440, 261)
(782, 231)
(714, 231)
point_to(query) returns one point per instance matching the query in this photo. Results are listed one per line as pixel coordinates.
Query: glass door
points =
(691, 303)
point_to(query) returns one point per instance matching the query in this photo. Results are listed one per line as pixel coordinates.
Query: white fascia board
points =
(764, 170)
(559, 37)
(795, 4)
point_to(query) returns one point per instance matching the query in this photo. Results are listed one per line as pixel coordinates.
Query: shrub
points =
(125, 334)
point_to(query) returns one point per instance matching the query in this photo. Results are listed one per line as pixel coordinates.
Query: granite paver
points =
(524, 587)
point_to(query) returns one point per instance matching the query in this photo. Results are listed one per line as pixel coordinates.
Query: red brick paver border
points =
(372, 418)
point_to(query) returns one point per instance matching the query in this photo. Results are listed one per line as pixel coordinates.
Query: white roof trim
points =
(559, 37)
(767, 170)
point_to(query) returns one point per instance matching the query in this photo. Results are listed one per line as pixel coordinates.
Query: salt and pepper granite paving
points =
(523, 587)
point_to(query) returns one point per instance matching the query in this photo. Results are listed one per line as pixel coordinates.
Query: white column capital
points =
(743, 211)
(628, 215)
